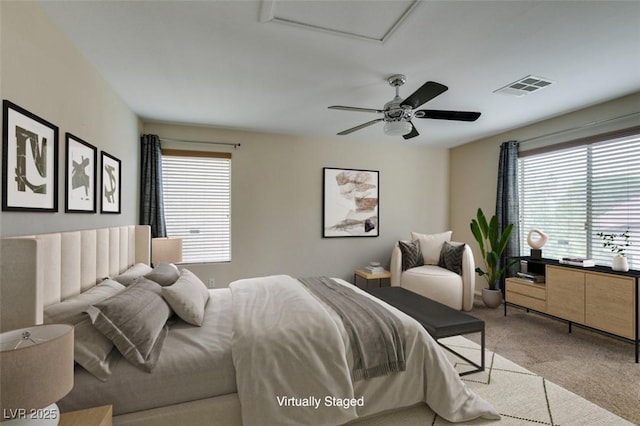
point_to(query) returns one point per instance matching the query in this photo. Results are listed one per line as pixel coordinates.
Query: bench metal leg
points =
(478, 368)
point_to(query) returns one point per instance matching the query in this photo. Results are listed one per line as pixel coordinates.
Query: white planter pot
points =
(491, 298)
(619, 263)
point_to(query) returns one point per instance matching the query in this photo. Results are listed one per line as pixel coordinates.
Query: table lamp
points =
(36, 370)
(167, 250)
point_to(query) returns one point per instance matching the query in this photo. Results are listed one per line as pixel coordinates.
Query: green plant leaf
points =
(482, 221)
(475, 230)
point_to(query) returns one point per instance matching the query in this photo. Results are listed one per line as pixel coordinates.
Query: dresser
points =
(596, 297)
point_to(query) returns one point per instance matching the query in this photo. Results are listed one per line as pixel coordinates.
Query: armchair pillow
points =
(451, 257)
(431, 245)
(411, 254)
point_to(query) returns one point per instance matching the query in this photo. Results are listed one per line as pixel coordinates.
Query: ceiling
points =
(275, 66)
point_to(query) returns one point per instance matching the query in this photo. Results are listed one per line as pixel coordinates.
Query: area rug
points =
(520, 396)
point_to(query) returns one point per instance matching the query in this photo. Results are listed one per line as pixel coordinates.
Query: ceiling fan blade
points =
(412, 134)
(348, 108)
(447, 115)
(428, 91)
(362, 126)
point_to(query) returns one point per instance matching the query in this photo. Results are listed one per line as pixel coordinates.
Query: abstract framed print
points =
(350, 203)
(111, 185)
(29, 161)
(80, 175)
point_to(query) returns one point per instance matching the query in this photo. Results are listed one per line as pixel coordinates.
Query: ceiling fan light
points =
(397, 128)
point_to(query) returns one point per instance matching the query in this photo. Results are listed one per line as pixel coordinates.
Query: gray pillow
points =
(451, 257)
(187, 297)
(411, 254)
(164, 274)
(137, 270)
(135, 321)
(91, 348)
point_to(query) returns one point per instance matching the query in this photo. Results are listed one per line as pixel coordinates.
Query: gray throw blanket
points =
(375, 334)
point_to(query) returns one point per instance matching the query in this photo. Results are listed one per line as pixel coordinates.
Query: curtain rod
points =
(234, 145)
(589, 124)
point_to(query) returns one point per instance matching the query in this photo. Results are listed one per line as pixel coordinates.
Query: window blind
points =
(574, 193)
(197, 202)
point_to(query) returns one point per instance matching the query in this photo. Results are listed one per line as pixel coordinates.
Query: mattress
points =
(195, 363)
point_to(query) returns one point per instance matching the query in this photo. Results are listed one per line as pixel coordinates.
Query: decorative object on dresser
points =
(36, 371)
(536, 244)
(80, 175)
(29, 161)
(110, 189)
(596, 298)
(492, 242)
(619, 261)
(350, 203)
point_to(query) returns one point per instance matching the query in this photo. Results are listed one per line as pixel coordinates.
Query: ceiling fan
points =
(398, 113)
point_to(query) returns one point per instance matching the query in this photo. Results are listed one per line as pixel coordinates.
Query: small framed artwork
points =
(80, 175)
(111, 185)
(350, 203)
(29, 161)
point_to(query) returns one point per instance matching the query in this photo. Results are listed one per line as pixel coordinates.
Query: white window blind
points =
(197, 203)
(575, 193)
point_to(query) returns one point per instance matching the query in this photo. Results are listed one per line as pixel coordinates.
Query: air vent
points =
(525, 86)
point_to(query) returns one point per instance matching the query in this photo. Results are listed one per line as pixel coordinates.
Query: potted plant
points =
(492, 244)
(619, 262)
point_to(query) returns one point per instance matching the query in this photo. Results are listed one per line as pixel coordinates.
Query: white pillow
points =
(187, 297)
(137, 270)
(431, 245)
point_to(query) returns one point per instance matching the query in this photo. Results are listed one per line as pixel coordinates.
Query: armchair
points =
(433, 281)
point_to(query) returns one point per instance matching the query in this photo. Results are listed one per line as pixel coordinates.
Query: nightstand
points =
(369, 276)
(97, 416)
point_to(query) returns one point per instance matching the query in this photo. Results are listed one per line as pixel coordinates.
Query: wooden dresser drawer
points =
(526, 301)
(537, 291)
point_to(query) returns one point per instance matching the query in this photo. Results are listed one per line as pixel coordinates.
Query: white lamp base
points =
(48, 416)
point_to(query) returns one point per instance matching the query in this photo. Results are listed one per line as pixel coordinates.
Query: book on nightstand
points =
(374, 269)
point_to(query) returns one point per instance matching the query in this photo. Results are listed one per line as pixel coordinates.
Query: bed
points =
(40, 272)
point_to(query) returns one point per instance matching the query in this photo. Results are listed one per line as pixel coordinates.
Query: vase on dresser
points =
(619, 263)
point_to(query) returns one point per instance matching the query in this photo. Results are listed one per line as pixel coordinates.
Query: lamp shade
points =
(397, 128)
(168, 250)
(36, 367)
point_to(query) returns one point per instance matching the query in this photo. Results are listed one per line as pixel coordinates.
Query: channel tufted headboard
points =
(38, 270)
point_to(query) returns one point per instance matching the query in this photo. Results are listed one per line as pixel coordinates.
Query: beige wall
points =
(474, 166)
(43, 72)
(277, 200)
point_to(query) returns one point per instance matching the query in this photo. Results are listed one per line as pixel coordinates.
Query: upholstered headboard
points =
(38, 270)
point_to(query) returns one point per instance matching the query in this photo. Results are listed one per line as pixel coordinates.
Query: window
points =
(576, 192)
(197, 203)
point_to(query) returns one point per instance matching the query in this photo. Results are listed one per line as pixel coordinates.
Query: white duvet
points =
(293, 363)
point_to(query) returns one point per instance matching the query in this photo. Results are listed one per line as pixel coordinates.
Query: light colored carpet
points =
(520, 396)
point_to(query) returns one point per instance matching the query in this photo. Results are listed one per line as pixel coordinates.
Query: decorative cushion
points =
(187, 297)
(91, 348)
(135, 321)
(164, 274)
(137, 270)
(451, 257)
(411, 254)
(431, 245)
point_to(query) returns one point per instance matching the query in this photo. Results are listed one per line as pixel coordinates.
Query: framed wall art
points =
(350, 203)
(80, 175)
(111, 185)
(29, 161)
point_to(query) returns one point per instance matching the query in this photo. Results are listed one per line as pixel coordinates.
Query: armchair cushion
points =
(431, 245)
(451, 257)
(411, 254)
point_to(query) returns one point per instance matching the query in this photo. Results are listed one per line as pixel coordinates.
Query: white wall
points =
(43, 72)
(277, 200)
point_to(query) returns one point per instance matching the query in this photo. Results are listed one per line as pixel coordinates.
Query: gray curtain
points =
(151, 202)
(507, 210)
